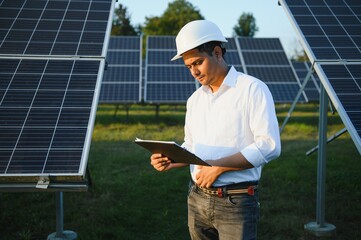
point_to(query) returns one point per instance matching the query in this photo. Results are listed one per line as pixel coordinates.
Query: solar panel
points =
(122, 79)
(331, 36)
(312, 88)
(48, 90)
(166, 81)
(171, 93)
(329, 29)
(44, 121)
(343, 85)
(58, 27)
(162, 42)
(265, 59)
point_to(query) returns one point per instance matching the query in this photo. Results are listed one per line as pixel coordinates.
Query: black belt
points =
(232, 189)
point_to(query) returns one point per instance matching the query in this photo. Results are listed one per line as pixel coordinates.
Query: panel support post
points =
(157, 106)
(320, 227)
(60, 234)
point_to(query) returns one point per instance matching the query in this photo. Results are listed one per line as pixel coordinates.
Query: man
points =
(231, 123)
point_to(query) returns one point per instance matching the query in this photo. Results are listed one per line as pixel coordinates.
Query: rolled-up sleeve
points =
(266, 144)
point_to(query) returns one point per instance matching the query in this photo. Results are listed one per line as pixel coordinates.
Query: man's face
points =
(202, 66)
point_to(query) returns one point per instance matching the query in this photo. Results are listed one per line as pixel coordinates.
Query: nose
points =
(195, 72)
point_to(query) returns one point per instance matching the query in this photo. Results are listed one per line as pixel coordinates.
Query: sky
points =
(270, 18)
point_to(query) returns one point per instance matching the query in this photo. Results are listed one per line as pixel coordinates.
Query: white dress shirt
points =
(239, 117)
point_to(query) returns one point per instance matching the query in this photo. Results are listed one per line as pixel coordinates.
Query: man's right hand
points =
(160, 162)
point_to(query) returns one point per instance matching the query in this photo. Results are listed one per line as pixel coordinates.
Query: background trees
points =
(121, 23)
(246, 26)
(178, 13)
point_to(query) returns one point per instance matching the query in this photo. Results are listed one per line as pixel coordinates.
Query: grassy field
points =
(128, 199)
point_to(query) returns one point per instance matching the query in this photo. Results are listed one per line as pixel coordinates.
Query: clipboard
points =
(172, 150)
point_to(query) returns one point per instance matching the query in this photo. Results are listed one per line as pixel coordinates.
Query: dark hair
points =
(208, 47)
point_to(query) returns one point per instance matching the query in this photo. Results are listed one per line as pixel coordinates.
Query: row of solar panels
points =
(52, 58)
(159, 80)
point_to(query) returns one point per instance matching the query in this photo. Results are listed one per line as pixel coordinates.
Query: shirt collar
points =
(230, 80)
(231, 77)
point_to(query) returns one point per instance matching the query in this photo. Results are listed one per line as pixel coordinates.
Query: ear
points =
(217, 51)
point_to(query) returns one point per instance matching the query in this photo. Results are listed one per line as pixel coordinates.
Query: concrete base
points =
(67, 235)
(327, 230)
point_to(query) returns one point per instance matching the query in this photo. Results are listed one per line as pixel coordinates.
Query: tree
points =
(300, 56)
(178, 13)
(246, 26)
(121, 23)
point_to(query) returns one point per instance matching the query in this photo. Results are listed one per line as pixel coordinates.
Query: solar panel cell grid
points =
(121, 74)
(260, 44)
(264, 58)
(127, 92)
(42, 27)
(169, 74)
(124, 43)
(232, 58)
(123, 57)
(38, 121)
(122, 79)
(272, 74)
(172, 92)
(323, 22)
(341, 79)
(283, 92)
(162, 57)
(161, 42)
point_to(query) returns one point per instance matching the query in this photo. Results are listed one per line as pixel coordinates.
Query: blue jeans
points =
(229, 218)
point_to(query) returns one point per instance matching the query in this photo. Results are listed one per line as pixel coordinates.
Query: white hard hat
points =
(194, 34)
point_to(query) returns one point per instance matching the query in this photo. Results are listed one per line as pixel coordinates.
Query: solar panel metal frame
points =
(313, 85)
(63, 181)
(318, 64)
(104, 98)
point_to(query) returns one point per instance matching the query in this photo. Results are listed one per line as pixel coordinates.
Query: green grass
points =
(128, 199)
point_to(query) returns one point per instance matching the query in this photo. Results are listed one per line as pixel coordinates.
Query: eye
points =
(198, 62)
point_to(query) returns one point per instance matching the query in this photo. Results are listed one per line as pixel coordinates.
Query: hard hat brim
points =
(178, 56)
